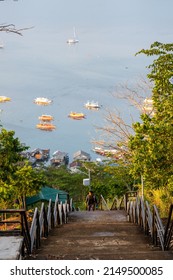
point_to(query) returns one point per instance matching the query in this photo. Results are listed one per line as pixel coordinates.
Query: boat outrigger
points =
(42, 101)
(77, 116)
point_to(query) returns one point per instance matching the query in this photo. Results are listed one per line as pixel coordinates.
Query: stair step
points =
(102, 235)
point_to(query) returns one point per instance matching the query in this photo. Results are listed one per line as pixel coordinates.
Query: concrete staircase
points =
(99, 235)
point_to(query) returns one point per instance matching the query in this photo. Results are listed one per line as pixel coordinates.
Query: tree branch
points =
(10, 28)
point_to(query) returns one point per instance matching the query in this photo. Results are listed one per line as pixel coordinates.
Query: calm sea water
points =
(41, 64)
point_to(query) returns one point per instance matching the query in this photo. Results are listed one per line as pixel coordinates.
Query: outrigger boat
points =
(46, 126)
(77, 116)
(4, 99)
(105, 152)
(92, 105)
(42, 101)
(46, 118)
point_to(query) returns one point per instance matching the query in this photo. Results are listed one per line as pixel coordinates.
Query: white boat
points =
(42, 101)
(106, 152)
(92, 105)
(73, 40)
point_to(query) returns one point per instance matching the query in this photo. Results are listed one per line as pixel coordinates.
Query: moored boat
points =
(75, 115)
(105, 152)
(148, 106)
(46, 118)
(46, 126)
(73, 40)
(42, 101)
(4, 98)
(92, 105)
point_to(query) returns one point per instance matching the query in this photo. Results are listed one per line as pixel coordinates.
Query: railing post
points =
(145, 222)
(32, 229)
(71, 204)
(41, 220)
(46, 227)
(60, 212)
(49, 215)
(168, 229)
(125, 201)
(37, 241)
(55, 212)
(26, 233)
(154, 232)
(140, 213)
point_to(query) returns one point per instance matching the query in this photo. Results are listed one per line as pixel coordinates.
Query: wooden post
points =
(37, 241)
(154, 233)
(46, 229)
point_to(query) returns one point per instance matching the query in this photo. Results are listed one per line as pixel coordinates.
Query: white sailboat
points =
(73, 40)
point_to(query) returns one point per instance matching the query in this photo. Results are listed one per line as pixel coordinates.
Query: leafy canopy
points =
(152, 143)
(17, 178)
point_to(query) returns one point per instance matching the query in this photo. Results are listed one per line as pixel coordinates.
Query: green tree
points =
(17, 178)
(152, 144)
(10, 154)
(27, 182)
(62, 178)
(109, 179)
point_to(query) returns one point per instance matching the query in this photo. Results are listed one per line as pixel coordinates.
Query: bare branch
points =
(135, 95)
(10, 28)
(116, 132)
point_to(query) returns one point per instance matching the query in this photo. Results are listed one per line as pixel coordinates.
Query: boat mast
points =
(74, 33)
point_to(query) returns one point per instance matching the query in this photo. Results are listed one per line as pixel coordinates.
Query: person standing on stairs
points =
(91, 201)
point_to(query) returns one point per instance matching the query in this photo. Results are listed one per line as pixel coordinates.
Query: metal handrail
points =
(23, 231)
(140, 213)
(149, 219)
(33, 229)
(158, 228)
(44, 221)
